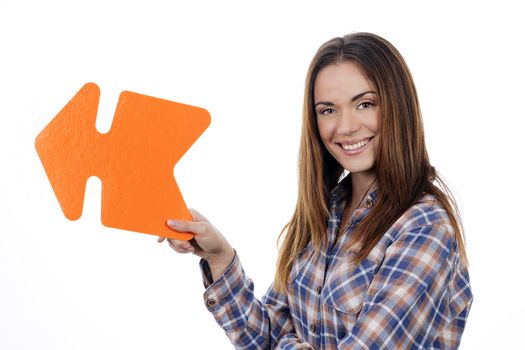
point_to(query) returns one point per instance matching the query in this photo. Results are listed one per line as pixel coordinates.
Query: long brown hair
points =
(403, 170)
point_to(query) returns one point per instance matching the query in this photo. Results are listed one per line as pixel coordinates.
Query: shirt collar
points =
(344, 187)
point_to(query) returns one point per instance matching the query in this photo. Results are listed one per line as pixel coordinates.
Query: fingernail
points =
(173, 224)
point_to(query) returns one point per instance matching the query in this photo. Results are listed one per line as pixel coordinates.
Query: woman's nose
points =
(348, 123)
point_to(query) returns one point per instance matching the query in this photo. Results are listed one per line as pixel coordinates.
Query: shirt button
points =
(319, 289)
(313, 328)
(211, 302)
(368, 203)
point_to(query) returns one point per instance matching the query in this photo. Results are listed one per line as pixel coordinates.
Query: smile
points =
(356, 146)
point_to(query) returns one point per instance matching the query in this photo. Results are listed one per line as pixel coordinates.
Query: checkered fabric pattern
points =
(411, 292)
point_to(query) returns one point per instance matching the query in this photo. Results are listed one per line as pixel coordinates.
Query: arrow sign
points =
(134, 160)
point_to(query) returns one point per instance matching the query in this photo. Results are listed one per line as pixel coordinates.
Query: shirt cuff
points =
(223, 291)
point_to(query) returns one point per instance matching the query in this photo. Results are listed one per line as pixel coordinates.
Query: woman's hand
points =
(208, 243)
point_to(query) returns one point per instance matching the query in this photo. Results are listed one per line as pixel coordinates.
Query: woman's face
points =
(346, 106)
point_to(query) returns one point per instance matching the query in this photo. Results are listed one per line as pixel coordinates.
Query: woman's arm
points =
(248, 322)
(411, 302)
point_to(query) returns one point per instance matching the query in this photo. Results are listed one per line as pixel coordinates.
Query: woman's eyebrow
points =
(356, 97)
(324, 103)
(359, 95)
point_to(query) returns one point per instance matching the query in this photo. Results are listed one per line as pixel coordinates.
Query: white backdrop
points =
(80, 285)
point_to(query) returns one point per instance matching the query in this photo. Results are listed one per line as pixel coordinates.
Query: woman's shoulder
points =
(427, 211)
(424, 225)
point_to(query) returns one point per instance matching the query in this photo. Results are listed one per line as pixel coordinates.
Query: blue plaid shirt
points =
(411, 292)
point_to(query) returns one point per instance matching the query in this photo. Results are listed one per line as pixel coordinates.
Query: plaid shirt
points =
(411, 292)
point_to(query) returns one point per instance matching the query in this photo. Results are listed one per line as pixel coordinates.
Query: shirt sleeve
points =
(407, 305)
(248, 322)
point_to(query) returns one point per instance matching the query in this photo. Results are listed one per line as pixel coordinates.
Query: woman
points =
(374, 260)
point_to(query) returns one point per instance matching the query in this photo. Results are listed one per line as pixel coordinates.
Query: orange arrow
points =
(134, 160)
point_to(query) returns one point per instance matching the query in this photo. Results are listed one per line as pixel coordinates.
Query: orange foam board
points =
(134, 160)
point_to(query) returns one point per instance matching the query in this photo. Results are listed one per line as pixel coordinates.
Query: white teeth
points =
(355, 145)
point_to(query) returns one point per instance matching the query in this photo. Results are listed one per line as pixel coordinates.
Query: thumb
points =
(197, 216)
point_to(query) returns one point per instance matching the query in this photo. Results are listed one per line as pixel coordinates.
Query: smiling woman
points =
(373, 260)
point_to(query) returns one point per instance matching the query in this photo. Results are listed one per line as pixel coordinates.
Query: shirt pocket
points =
(347, 284)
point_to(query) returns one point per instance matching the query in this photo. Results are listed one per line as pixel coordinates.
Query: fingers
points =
(182, 247)
(199, 225)
(196, 227)
(179, 246)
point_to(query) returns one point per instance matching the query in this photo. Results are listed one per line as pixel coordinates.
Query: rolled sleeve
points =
(228, 296)
(248, 322)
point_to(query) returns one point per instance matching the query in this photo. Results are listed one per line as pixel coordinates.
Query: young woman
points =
(374, 260)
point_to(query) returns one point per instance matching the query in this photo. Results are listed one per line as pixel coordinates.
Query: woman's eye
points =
(327, 111)
(365, 105)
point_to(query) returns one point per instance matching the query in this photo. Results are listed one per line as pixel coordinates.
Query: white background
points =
(80, 285)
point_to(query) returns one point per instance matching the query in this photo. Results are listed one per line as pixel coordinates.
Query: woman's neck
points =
(361, 183)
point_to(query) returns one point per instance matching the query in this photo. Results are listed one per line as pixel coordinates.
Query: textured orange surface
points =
(134, 160)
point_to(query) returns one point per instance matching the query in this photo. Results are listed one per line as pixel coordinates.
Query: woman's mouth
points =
(355, 147)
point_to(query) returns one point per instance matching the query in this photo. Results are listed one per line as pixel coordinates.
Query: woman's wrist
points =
(220, 261)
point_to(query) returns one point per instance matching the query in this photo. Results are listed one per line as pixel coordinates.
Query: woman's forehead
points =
(341, 78)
